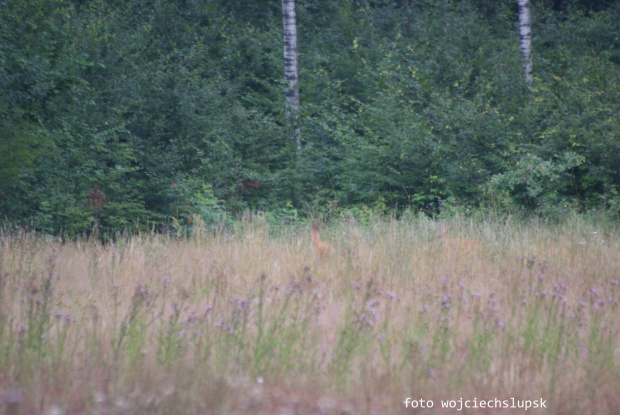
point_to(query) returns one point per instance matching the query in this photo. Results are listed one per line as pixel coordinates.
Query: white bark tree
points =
(525, 33)
(290, 68)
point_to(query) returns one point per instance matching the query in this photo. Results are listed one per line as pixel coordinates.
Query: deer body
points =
(322, 248)
(461, 244)
(455, 243)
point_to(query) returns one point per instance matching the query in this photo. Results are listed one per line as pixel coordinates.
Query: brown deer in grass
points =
(322, 248)
(457, 244)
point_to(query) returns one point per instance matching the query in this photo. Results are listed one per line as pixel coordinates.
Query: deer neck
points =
(316, 238)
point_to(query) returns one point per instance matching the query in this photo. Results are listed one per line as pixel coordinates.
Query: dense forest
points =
(123, 113)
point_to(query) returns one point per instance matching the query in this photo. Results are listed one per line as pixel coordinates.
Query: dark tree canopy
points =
(116, 114)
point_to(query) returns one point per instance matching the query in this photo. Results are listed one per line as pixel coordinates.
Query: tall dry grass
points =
(254, 321)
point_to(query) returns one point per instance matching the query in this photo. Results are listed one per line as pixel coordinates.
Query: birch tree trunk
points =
(290, 68)
(525, 33)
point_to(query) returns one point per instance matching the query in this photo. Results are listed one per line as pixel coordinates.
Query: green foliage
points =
(404, 104)
(534, 182)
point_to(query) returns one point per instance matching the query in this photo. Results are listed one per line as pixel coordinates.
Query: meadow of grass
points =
(250, 319)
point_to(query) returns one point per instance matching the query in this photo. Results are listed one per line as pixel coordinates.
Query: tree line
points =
(117, 113)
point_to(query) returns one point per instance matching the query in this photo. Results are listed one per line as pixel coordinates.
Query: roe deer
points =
(322, 248)
(454, 243)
